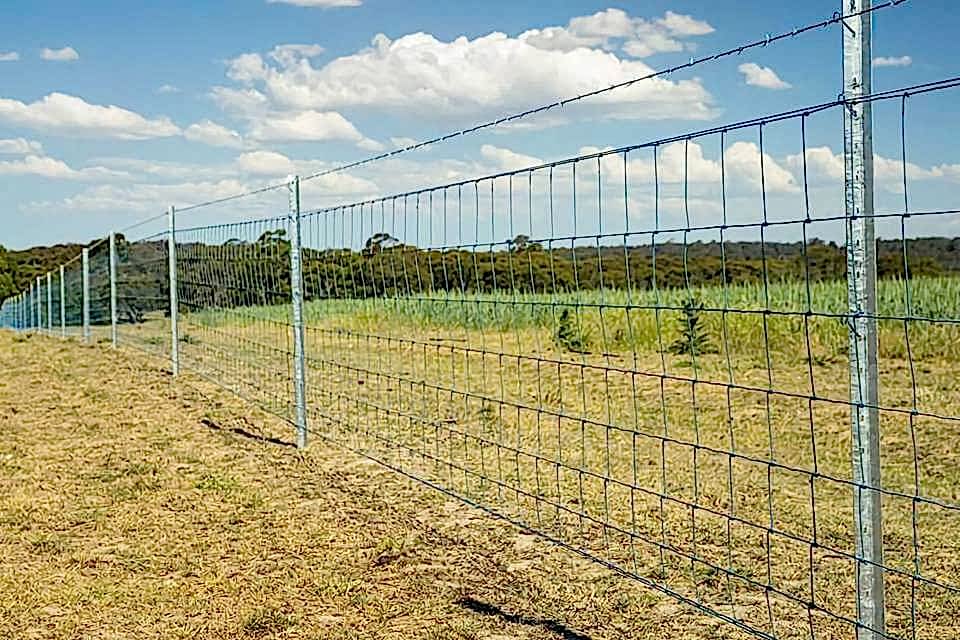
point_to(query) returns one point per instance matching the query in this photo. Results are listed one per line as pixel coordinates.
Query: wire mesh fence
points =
(73, 297)
(670, 357)
(143, 293)
(98, 301)
(628, 386)
(234, 290)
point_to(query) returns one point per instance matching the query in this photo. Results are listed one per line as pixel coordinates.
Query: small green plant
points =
(568, 334)
(387, 550)
(217, 483)
(47, 545)
(488, 417)
(266, 622)
(693, 339)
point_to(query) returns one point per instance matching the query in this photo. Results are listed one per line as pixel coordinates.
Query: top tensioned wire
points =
(836, 18)
(803, 112)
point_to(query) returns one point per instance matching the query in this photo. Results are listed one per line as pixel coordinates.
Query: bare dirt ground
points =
(135, 507)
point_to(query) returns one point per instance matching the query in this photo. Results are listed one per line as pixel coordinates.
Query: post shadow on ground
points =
(243, 433)
(488, 609)
(561, 630)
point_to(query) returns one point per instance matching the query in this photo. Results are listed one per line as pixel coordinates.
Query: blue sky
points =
(111, 111)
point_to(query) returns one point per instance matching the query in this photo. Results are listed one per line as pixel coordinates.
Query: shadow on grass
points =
(487, 609)
(243, 433)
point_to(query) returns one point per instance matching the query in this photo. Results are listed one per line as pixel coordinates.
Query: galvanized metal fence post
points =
(862, 290)
(63, 305)
(86, 293)
(174, 304)
(113, 289)
(38, 304)
(49, 303)
(296, 297)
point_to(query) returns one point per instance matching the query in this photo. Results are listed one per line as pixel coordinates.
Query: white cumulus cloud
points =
(506, 159)
(684, 25)
(9, 56)
(742, 161)
(265, 163)
(40, 166)
(240, 102)
(288, 95)
(46, 167)
(765, 77)
(20, 147)
(69, 115)
(140, 198)
(67, 54)
(213, 134)
(680, 162)
(153, 185)
(401, 142)
(289, 53)
(611, 28)
(419, 73)
(309, 126)
(824, 165)
(897, 61)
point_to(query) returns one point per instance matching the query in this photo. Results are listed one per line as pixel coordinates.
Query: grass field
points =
(131, 507)
(644, 321)
(716, 475)
(723, 476)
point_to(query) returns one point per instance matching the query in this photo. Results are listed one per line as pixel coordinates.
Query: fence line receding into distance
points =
(653, 355)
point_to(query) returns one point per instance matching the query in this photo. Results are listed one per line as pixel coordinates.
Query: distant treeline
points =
(249, 273)
(20, 268)
(257, 273)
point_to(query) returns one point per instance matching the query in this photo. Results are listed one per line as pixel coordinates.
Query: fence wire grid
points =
(648, 355)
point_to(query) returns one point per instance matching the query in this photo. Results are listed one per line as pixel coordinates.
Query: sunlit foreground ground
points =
(133, 507)
(725, 478)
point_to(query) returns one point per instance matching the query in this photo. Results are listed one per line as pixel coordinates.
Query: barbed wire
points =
(693, 62)
(141, 223)
(887, 94)
(836, 18)
(245, 194)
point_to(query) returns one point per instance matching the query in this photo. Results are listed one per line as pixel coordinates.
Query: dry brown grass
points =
(396, 561)
(479, 413)
(131, 507)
